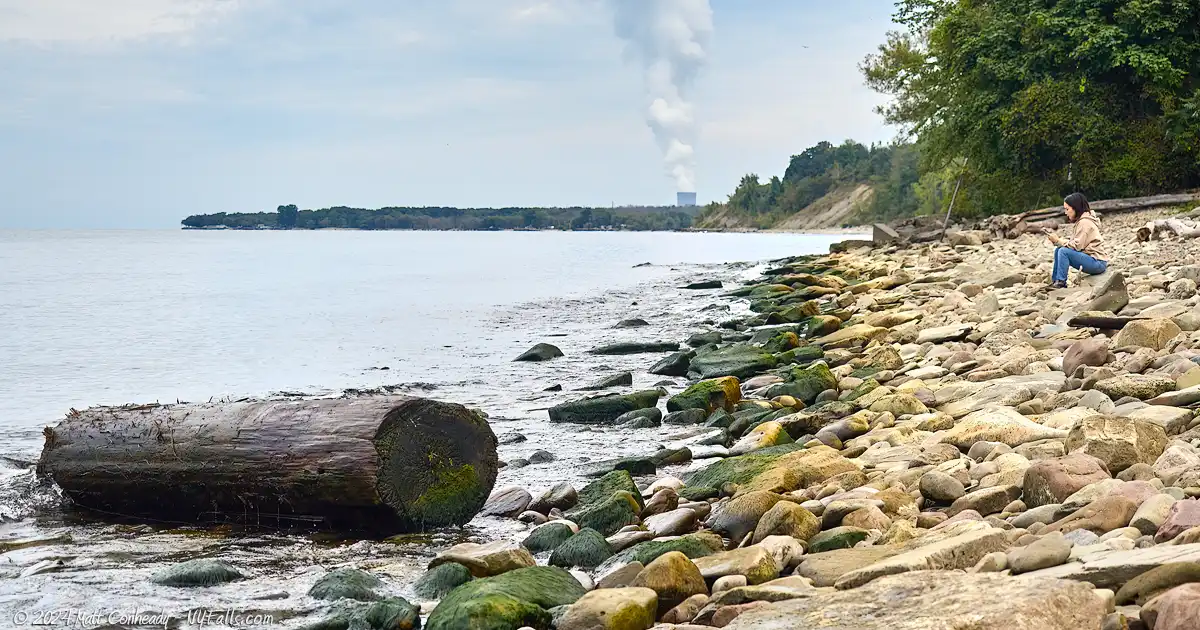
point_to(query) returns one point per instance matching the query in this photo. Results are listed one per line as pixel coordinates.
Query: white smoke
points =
(670, 39)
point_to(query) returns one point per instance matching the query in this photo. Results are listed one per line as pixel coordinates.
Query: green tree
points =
(288, 216)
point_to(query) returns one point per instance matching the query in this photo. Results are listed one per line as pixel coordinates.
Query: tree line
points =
(288, 217)
(1026, 100)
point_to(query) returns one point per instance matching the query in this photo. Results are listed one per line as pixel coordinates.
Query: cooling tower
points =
(685, 199)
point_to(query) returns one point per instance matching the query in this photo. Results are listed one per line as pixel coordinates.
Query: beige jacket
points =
(1087, 237)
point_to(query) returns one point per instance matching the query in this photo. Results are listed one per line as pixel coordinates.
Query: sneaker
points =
(1058, 285)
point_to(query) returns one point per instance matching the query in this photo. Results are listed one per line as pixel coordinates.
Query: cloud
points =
(104, 21)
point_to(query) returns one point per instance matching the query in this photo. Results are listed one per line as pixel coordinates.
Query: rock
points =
(541, 457)
(755, 563)
(674, 578)
(1140, 386)
(640, 419)
(1157, 581)
(624, 379)
(925, 600)
(608, 517)
(1182, 516)
(765, 435)
(487, 559)
(837, 538)
(346, 583)
(1051, 481)
(687, 610)
(704, 284)
(562, 497)
(664, 500)
(868, 518)
(805, 384)
(204, 572)
(720, 393)
(738, 360)
(440, 580)
(1152, 514)
(508, 502)
(740, 516)
(956, 552)
(603, 409)
(955, 332)
(1109, 294)
(859, 334)
(941, 487)
(587, 549)
(612, 609)
(1147, 333)
(633, 322)
(1172, 419)
(1177, 609)
(686, 417)
(540, 352)
(899, 405)
(998, 424)
(704, 339)
(674, 523)
(620, 576)
(1180, 398)
(635, 347)
(986, 501)
(1101, 516)
(786, 519)
(547, 537)
(514, 599)
(1048, 551)
(1092, 351)
(1182, 289)
(1118, 442)
(676, 364)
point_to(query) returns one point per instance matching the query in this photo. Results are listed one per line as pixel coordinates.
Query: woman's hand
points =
(1051, 236)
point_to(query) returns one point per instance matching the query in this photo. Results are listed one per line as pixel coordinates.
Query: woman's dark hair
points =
(1078, 203)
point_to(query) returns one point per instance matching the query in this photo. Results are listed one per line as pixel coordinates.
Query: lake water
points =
(91, 318)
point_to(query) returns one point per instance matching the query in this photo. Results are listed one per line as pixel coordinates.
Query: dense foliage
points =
(291, 217)
(1028, 99)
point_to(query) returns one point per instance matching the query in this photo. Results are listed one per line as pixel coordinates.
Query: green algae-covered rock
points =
(836, 538)
(782, 343)
(740, 360)
(610, 516)
(807, 383)
(821, 325)
(346, 583)
(866, 387)
(603, 488)
(738, 470)
(676, 364)
(547, 537)
(587, 550)
(603, 409)
(205, 572)
(802, 355)
(444, 578)
(394, 613)
(694, 493)
(506, 602)
(718, 393)
(695, 545)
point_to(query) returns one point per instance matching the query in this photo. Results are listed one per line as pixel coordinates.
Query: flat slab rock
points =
(937, 600)
(1112, 569)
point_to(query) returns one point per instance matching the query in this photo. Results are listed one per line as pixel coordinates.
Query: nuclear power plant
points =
(685, 199)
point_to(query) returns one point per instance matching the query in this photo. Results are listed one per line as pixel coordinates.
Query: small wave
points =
(23, 493)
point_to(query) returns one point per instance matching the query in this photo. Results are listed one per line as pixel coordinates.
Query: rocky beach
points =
(886, 437)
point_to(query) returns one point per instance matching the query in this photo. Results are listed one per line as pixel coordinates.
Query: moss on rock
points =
(740, 360)
(610, 516)
(508, 601)
(719, 393)
(204, 572)
(603, 409)
(587, 550)
(442, 579)
(346, 583)
(603, 488)
(693, 546)
(547, 537)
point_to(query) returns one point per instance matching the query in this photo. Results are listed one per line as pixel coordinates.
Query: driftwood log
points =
(380, 464)
(1014, 225)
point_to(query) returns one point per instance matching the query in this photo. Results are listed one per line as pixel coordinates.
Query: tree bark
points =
(378, 464)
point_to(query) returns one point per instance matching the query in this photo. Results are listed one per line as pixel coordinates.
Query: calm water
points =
(113, 317)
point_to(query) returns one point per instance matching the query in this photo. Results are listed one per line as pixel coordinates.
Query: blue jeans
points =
(1066, 258)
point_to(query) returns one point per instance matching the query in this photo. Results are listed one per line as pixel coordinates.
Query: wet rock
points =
(603, 409)
(512, 600)
(1118, 442)
(805, 384)
(621, 576)
(738, 360)
(765, 435)
(674, 578)
(686, 417)
(665, 500)
(1147, 333)
(635, 347)
(508, 502)
(587, 549)
(624, 379)
(676, 364)
(511, 438)
(633, 322)
(693, 546)
(720, 393)
(609, 516)
(562, 497)
(488, 559)
(1051, 481)
(640, 418)
(540, 352)
(203, 572)
(346, 583)
(740, 516)
(1048, 551)
(936, 599)
(440, 580)
(704, 284)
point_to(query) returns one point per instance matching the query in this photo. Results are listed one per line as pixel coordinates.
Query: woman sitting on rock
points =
(1085, 249)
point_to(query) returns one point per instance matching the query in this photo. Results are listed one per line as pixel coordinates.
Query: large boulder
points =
(1109, 294)
(1118, 442)
(1050, 481)
(1092, 351)
(674, 577)
(787, 519)
(741, 515)
(998, 424)
(505, 602)
(765, 435)
(1147, 333)
(805, 384)
(1177, 609)
(610, 609)
(635, 347)
(962, 552)
(587, 549)
(1140, 386)
(739, 360)
(603, 409)
(486, 559)
(942, 600)
(719, 393)
(755, 563)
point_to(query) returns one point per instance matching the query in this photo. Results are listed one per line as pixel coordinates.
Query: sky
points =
(137, 113)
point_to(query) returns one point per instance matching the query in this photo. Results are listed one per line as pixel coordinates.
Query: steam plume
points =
(670, 39)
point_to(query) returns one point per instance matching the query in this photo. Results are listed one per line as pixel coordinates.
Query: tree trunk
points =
(379, 464)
